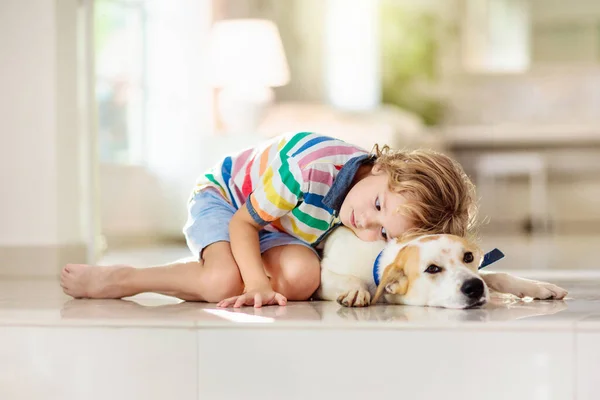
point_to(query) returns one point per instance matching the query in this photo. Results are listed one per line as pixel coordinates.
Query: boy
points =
(256, 219)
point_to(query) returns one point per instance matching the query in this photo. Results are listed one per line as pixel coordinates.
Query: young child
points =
(256, 219)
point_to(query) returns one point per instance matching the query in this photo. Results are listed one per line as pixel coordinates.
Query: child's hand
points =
(257, 297)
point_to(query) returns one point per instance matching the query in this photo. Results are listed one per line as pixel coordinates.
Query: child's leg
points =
(294, 270)
(212, 279)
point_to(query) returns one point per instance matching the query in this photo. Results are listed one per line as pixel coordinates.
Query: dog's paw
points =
(544, 291)
(355, 298)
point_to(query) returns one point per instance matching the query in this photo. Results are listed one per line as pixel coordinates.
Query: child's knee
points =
(299, 273)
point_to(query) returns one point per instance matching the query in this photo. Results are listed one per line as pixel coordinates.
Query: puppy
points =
(430, 270)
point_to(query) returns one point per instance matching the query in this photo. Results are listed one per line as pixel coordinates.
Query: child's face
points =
(371, 210)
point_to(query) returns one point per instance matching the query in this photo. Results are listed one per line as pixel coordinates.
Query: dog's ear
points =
(394, 280)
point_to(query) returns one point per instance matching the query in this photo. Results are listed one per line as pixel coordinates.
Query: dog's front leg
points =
(521, 287)
(347, 290)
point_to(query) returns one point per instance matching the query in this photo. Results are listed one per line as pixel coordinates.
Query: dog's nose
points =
(473, 288)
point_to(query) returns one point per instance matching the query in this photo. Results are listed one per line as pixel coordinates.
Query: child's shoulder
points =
(317, 151)
(308, 142)
(304, 136)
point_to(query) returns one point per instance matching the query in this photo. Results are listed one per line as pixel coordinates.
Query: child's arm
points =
(274, 194)
(243, 232)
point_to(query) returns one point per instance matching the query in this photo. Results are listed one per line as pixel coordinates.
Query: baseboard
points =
(39, 261)
(558, 227)
(129, 241)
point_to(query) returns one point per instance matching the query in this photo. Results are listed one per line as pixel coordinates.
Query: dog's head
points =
(432, 270)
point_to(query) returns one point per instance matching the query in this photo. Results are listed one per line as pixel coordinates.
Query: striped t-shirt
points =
(294, 183)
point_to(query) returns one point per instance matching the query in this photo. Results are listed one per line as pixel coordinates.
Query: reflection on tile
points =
(41, 303)
(381, 315)
(117, 312)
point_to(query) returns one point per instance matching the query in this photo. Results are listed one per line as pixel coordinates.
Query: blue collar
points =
(342, 182)
(376, 269)
(489, 258)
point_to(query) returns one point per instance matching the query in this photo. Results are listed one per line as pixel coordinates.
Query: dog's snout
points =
(473, 288)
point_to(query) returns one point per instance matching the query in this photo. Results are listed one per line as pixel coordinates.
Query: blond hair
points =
(440, 195)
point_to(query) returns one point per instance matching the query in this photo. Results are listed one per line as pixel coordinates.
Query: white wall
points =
(38, 143)
(28, 115)
(39, 137)
(71, 163)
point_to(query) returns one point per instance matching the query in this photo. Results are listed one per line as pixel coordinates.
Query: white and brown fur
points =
(347, 273)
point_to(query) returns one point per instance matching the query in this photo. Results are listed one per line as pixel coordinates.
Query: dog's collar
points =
(489, 258)
(376, 268)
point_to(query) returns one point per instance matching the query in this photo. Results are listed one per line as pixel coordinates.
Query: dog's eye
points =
(468, 258)
(433, 269)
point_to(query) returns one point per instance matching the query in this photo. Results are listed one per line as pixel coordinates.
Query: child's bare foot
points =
(86, 281)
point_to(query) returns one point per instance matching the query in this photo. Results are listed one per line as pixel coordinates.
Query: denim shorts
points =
(208, 222)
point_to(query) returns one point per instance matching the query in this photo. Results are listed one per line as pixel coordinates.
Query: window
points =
(120, 53)
(496, 35)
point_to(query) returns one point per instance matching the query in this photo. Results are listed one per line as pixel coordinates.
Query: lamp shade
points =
(247, 52)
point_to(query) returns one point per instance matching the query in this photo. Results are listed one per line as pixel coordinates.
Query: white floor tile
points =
(362, 364)
(157, 347)
(588, 365)
(97, 363)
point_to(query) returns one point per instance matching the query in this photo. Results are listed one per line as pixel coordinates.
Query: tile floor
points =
(156, 347)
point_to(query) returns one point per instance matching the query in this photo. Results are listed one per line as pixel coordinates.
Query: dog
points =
(429, 270)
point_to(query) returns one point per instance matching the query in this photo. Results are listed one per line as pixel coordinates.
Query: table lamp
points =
(248, 60)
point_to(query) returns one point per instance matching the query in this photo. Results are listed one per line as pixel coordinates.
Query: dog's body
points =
(431, 270)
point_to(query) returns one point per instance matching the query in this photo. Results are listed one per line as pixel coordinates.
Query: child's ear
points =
(377, 169)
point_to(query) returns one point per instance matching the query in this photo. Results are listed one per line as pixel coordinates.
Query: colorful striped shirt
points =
(294, 183)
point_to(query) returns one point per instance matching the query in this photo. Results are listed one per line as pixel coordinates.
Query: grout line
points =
(574, 360)
(463, 326)
(197, 336)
